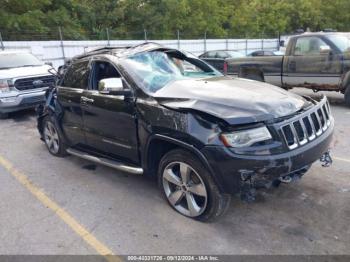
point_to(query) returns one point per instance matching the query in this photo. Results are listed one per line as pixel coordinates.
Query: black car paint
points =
(149, 125)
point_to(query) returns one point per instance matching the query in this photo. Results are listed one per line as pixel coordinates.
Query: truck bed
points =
(264, 68)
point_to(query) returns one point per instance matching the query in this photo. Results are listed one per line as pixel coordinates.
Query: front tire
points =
(53, 138)
(189, 188)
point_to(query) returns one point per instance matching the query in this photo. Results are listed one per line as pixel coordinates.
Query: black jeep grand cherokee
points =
(164, 113)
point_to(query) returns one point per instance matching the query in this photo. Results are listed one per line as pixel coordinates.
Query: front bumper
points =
(22, 101)
(230, 168)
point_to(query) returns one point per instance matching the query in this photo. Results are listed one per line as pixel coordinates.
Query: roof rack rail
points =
(100, 50)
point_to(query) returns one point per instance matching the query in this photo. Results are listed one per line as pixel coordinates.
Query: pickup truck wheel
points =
(53, 138)
(189, 188)
(347, 96)
(4, 115)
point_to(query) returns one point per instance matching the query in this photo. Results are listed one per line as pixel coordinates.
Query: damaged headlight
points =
(245, 138)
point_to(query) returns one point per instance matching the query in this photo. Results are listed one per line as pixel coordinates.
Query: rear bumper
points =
(230, 168)
(22, 101)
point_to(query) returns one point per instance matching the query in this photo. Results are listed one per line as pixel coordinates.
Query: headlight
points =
(245, 137)
(5, 85)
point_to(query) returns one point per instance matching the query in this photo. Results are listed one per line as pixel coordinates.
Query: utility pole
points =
(145, 32)
(205, 41)
(62, 46)
(227, 43)
(2, 44)
(178, 39)
(108, 40)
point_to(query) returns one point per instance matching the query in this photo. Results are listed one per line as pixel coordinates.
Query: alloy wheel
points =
(51, 138)
(185, 189)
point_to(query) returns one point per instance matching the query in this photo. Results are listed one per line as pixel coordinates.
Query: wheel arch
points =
(345, 84)
(159, 145)
(251, 70)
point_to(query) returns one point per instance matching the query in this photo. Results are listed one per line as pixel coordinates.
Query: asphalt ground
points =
(51, 206)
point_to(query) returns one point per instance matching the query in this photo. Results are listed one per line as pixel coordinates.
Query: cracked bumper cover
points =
(228, 167)
(21, 101)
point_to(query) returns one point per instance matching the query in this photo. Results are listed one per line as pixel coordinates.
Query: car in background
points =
(319, 61)
(23, 81)
(216, 58)
(265, 53)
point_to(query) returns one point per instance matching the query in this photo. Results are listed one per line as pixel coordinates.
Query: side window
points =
(307, 46)
(258, 53)
(211, 54)
(77, 75)
(221, 54)
(103, 70)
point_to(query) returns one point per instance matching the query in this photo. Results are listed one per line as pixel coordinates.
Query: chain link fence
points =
(59, 44)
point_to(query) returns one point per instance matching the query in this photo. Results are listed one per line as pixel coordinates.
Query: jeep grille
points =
(307, 126)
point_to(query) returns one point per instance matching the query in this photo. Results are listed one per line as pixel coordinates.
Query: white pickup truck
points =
(23, 81)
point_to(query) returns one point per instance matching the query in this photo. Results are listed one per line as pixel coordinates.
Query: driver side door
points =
(109, 120)
(309, 65)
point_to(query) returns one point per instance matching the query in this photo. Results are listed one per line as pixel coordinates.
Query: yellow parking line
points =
(60, 212)
(342, 159)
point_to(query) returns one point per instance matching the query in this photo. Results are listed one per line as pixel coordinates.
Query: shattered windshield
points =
(153, 70)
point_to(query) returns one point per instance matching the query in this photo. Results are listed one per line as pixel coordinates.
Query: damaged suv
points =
(164, 113)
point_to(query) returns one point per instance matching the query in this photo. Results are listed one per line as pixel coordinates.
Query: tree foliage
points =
(127, 19)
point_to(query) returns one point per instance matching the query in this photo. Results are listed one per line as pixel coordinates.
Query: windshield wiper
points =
(1, 68)
(28, 65)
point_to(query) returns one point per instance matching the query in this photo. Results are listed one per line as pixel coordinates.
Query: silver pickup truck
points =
(319, 61)
(23, 81)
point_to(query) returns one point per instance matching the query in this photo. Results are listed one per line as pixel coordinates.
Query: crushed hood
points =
(235, 100)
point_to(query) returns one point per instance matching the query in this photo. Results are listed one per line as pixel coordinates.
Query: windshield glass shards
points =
(153, 70)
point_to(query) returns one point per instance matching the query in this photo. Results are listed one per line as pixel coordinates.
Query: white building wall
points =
(51, 51)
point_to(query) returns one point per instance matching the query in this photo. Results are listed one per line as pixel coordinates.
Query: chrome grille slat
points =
(304, 140)
(324, 119)
(306, 127)
(325, 110)
(313, 136)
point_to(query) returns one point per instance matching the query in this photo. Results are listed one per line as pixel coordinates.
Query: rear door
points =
(69, 95)
(110, 122)
(313, 64)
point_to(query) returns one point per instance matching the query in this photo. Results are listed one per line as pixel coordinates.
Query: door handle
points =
(84, 99)
(292, 66)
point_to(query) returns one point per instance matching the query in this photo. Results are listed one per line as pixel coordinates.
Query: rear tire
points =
(53, 137)
(4, 115)
(189, 188)
(347, 96)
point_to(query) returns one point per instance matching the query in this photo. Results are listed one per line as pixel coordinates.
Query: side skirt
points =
(106, 162)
